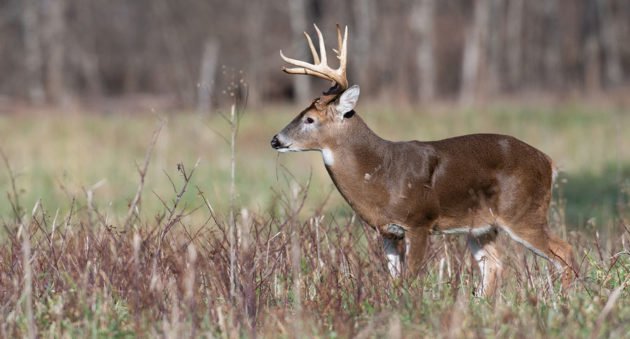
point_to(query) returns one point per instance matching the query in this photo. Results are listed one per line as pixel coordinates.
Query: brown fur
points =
(480, 181)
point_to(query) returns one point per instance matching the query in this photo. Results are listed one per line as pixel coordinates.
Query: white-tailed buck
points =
(474, 184)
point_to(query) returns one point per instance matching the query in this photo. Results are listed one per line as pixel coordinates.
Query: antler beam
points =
(319, 68)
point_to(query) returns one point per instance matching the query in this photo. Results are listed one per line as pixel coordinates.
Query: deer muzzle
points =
(278, 145)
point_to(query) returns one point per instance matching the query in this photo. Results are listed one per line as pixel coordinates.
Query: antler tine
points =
(295, 62)
(313, 51)
(342, 51)
(322, 46)
(338, 40)
(343, 59)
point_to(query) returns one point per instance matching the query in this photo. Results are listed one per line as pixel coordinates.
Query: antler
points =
(320, 68)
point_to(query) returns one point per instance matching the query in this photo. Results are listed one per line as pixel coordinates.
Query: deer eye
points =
(309, 120)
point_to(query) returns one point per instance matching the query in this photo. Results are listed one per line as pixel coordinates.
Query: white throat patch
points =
(329, 158)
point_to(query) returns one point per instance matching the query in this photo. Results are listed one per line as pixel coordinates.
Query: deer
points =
(476, 185)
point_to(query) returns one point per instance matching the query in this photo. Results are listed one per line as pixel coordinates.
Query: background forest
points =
(68, 51)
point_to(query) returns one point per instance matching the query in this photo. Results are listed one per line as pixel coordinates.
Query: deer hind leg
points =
(485, 253)
(563, 252)
(541, 241)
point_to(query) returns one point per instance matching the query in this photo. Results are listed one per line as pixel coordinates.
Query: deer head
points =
(322, 122)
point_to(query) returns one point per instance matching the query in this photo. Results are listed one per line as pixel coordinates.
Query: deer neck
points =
(356, 158)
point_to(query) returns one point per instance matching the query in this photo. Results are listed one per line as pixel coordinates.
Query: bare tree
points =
(55, 42)
(297, 17)
(474, 52)
(610, 43)
(33, 59)
(592, 69)
(364, 14)
(205, 87)
(552, 52)
(494, 49)
(175, 50)
(422, 22)
(255, 12)
(514, 42)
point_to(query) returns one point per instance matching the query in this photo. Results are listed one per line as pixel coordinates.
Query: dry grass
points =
(70, 268)
(294, 277)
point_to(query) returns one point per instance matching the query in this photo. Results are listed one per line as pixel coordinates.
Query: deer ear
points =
(348, 100)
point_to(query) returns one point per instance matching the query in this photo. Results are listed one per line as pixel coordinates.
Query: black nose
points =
(275, 143)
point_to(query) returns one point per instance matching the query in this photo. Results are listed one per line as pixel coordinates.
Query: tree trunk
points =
(54, 40)
(171, 38)
(610, 43)
(90, 72)
(474, 53)
(82, 55)
(494, 30)
(592, 71)
(255, 40)
(553, 45)
(363, 12)
(297, 15)
(205, 88)
(33, 60)
(514, 41)
(422, 22)
(592, 62)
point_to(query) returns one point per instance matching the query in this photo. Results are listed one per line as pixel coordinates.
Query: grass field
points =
(74, 262)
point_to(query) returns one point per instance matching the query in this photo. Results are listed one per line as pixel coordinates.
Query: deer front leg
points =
(394, 251)
(404, 247)
(416, 245)
(394, 246)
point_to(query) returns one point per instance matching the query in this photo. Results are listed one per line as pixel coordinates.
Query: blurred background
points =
(185, 53)
(84, 82)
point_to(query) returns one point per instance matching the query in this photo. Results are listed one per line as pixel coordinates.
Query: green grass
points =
(60, 157)
(303, 271)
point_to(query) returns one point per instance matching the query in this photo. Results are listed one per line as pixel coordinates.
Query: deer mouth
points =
(285, 149)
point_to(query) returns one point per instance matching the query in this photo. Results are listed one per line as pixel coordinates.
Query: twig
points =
(233, 235)
(172, 217)
(142, 172)
(209, 206)
(28, 284)
(13, 195)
